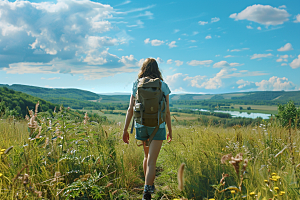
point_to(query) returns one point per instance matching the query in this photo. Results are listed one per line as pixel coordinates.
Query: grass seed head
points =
(180, 177)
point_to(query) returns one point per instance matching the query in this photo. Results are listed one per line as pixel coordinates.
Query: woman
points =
(149, 69)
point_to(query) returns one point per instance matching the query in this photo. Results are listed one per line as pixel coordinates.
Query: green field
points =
(67, 158)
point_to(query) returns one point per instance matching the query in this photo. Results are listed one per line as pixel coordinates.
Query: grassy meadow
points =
(62, 157)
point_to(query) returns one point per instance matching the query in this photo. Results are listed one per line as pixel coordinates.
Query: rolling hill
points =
(78, 99)
(17, 102)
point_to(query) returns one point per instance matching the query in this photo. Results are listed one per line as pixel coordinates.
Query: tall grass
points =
(65, 157)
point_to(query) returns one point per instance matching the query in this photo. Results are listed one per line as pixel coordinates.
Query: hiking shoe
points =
(152, 189)
(146, 196)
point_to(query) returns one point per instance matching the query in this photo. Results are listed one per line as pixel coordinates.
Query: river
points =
(239, 114)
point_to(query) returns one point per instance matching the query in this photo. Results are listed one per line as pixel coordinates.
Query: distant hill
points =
(277, 96)
(54, 92)
(18, 102)
(78, 99)
(74, 98)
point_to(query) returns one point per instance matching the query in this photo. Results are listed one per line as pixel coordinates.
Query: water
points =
(239, 114)
(245, 114)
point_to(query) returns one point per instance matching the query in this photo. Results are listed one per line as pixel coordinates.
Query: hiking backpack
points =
(150, 104)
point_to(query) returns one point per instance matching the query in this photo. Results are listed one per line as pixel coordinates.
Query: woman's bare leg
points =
(151, 161)
(146, 151)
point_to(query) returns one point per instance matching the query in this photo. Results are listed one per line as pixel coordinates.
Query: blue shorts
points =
(144, 133)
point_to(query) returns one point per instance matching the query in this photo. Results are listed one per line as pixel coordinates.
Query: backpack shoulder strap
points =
(148, 142)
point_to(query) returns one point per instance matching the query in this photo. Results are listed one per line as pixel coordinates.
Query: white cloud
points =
(53, 78)
(199, 62)
(283, 64)
(156, 42)
(129, 60)
(146, 41)
(216, 82)
(172, 44)
(159, 60)
(255, 56)
(275, 84)
(202, 22)
(195, 81)
(295, 63)
(195, 32)
(61, 37)
(225, 64)
(140, 62)
(263, 14)
(259, 28)
(243, 49)
(228, 56)
(176, 30)
(208, 37)
(286, 47)
(175, 81)
(178, 62)
(215, 19)
(283, 6)
(138, 23)
(146, 14)
(249, 27)
(110, 66)
(179, 90)
(192, 41)
(245, 84)
(297, 19)
(282, 58)
(50, 79)
(170, 61)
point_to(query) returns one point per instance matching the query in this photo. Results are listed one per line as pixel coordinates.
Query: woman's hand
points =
(169, 137)
(126, 136)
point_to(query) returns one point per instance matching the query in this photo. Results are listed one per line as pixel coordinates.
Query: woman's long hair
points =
(150, 69)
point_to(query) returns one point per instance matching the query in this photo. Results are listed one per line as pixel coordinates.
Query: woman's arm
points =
(129, 115)
(168, 120)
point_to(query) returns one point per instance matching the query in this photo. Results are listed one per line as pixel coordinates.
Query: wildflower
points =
(282, 193)
(252, 193)
(226, 157)
(1, 174)
(2, 150)
(1, 153)
(266, 181)
(274, 174)
(273, 179)
(276, 188)
(86, 118)
(232, 191)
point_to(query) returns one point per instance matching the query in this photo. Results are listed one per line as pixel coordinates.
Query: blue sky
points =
(201, 46)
